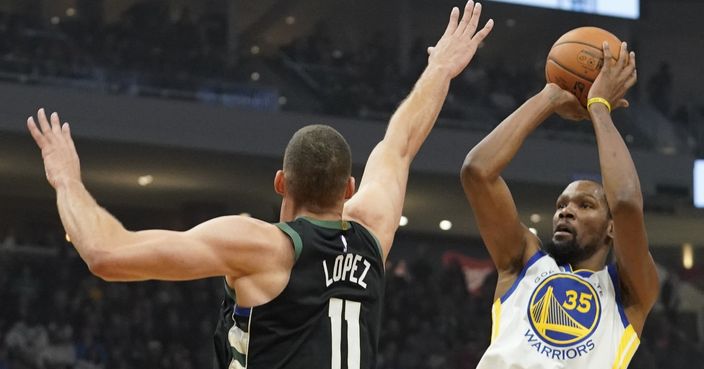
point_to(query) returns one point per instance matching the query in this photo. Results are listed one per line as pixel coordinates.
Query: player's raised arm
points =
(217, 247)
(636, 268)
(379, 201)
(508, 241)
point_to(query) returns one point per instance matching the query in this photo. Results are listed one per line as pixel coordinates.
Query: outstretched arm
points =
(636, 268)
(224, 246)
(379, 201)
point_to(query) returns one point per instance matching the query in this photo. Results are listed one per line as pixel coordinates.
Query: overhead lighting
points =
(535, 218)
(246, 214)
(445, 225)
(255, 76)
(145, 180)
(70, 12)
(403, 221)
(290, 20)
(283, 100)
(687, 255)
(55, 20)
(254, 49)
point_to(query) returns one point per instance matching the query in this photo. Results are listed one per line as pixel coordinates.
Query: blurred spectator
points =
(72, 320)
(660, 89)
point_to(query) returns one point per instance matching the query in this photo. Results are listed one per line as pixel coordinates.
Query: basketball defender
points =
(562, 306)
(306, 292)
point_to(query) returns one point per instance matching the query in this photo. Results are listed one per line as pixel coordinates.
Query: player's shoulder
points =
(241, 231)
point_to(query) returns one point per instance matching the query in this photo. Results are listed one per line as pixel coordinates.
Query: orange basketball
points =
(576, 58)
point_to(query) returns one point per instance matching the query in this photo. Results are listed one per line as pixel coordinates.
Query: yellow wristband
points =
(598, 100)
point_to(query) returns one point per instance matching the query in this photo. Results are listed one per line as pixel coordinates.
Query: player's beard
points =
(569, 251)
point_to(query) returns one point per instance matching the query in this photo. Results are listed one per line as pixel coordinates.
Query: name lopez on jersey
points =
(348, 267)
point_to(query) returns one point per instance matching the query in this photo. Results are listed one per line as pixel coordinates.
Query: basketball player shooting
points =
(308, 289)
(562, 306)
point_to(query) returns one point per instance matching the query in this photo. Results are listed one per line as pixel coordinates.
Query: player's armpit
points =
(231, 245)
(379, 201)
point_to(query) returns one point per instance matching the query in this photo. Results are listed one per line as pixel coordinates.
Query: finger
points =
(608, 57)
(55, 123)
(623, 55)
(35, 132)
(474, 21)
(632, 79)
(632, 59)
(66, 131)
(481, 35)
(430, 50)
(43, 122)
(452, 24)
(467, 16)
(622, 103)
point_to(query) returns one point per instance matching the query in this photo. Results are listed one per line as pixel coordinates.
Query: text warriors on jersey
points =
(563, 311)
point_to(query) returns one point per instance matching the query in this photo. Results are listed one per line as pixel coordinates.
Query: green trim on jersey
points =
(378, 244)
(330, 224)
(295, 237)
(342, 225)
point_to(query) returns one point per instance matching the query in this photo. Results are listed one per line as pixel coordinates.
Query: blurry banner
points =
(475, 270)
(615, 8)
(241, 96)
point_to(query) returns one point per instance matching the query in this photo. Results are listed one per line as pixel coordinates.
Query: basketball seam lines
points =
(580, 43)
(569, 70)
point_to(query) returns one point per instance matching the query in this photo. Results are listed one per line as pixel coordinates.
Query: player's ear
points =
(280, 182)
(610, 229)
(349, 191)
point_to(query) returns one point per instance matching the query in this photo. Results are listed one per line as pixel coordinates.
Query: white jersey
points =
(554, 317)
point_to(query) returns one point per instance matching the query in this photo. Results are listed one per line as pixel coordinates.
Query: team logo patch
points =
(564, 310)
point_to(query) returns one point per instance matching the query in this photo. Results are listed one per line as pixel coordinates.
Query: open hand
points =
(616, 77)
(460, 41)
(58, 151)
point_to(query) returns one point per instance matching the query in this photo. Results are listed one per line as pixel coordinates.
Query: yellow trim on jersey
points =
(626, 348)
(495, 319)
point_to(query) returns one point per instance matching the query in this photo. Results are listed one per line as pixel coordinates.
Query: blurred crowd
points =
(55, 315)
(152, 51)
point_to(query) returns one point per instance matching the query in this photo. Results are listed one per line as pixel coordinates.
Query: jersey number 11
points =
(352, 309)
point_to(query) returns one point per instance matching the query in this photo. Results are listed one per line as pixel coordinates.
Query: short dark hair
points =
(317, 165)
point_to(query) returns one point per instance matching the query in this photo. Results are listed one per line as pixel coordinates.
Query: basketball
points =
(575, 59)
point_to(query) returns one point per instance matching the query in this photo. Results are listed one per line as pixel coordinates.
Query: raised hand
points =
(461, 39)
(58, 151)
(565, 103)
(615, 77)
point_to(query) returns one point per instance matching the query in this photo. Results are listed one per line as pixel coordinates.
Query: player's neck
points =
(290, 211)
(595, 263)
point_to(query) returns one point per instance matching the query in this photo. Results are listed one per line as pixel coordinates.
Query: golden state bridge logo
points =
(564, 310)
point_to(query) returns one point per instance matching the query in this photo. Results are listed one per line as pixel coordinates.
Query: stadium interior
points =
(181, 110)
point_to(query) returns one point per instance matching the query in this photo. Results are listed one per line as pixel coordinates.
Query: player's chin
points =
(562, 239)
